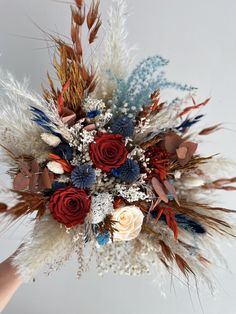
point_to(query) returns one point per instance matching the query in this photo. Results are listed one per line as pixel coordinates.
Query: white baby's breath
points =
(102, 205)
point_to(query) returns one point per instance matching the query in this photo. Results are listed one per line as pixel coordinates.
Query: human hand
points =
(10, 281)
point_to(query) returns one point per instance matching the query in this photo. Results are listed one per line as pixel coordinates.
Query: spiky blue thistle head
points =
(103, 238)
(123, 125)
(64, 151)
(83, 176)
(128, 172)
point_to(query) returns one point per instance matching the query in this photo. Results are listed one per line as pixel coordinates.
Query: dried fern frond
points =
(205, 216)
(28, 202)
(191, 165)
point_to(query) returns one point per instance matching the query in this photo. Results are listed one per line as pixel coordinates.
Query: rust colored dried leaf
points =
(210, 130)
(188, 152)
(182, 152)
(195, 106)
(172, 142)
(34, 175)
(21, 182)
(158, 188)
(45, 181)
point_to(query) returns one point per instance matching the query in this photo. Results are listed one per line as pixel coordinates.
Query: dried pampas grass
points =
(116, 59)
(48, 243)
(15, 119)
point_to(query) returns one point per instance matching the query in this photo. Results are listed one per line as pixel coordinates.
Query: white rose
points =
(129, 223)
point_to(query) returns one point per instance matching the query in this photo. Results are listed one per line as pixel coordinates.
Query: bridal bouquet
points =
(105, 167)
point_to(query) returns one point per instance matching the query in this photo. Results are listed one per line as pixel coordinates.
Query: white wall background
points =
(199, 37)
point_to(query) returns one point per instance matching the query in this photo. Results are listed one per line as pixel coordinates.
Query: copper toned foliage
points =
(69, 64)
(29, 202)
(210, 130)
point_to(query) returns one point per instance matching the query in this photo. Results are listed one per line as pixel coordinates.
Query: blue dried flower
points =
(93, 113)
(55, 186)
(42, 120)
(64, 151)
(128, 172)
(83, 176)
(123, 125)
(103, 238)
(58, 185)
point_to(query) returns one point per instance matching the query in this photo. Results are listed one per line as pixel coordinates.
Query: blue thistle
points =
(103, 238)
(83, 176)
(123, 125)
(93, 113)
(64, 151)
(128, 172)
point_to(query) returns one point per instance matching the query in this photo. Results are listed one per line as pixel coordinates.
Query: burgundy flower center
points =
(72, 204)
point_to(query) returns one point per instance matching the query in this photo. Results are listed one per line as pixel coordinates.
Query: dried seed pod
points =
(73, 32)
(94, 31)
(78, 16)
(79, 3)
(92, 15)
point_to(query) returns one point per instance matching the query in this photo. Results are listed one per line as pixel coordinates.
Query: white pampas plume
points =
(218, 167)
(18, 132)
(116, 60)
(48, 243)
(16, 117)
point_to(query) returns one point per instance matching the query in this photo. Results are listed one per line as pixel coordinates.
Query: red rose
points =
(108, 151)
(69, 206)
